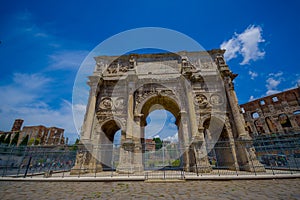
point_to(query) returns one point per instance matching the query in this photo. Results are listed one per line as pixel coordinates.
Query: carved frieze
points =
(143, 93)
(112, 68)
(187, 67)
(119, 103)
(123, 68)
(201, 100)
(216, 99)
(220, 61)
(106, 103)
(110, 106)
(117, 67)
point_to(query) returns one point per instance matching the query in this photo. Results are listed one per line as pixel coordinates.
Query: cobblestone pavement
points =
(238, 189)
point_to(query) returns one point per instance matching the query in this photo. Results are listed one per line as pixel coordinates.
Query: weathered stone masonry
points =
(196, 87)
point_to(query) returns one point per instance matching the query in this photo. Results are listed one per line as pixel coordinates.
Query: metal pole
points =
(28, 164)
(196, 161)
(163, 151)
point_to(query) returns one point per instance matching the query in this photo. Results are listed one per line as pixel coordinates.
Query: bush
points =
(7, 139)
(2, 138)
(24, 141)
(15, 139)
(176, 163)
(37, 141)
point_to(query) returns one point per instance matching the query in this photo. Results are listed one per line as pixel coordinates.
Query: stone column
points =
(199, 147)
(126, 157)
(130, 122)
(244, 145)
(183, 128)
(265, 127)
(87, 126)
(233, 102)
(276, 122)
(192, 113)
(232, 145)
(138, 151)
(131, 159)
(85, 161)
(294, 124)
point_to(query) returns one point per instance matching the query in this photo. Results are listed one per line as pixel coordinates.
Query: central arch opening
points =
(111, 140)
(160, 131)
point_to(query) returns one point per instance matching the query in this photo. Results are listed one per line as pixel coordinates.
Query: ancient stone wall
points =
(277, 113)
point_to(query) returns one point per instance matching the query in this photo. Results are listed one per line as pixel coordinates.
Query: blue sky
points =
(44, 42)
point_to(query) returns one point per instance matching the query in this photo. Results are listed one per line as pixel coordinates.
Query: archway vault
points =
(158, 102)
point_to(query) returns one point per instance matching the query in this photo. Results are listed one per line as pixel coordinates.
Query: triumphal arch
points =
(196, 87)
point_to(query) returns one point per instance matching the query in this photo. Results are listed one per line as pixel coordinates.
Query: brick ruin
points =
(275, 114)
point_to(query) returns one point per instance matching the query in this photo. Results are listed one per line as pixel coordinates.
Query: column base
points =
(76, 170)
(255, 167)
(129, 168)
(201, 169)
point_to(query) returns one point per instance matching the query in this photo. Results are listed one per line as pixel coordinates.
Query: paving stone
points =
(237, 189)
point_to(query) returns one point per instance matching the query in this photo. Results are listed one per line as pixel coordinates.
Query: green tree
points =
(2, 138)
(7, 139)
(31, 141)
(15, 139)
(24, 141)
(77, 141)
(158, 143)
(74, 147)
(176, 163)
(37, 141)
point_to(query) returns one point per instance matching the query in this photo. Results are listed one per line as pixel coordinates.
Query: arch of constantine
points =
(196, 87)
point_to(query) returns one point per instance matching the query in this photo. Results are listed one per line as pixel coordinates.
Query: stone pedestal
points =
(201, 164)
(248, 160)
(85, 161)
(130, 157)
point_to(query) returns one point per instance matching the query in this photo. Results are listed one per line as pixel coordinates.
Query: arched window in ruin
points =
(275, 99)
(262, 102)
(291, 98)
(249, 129)
(255, 115)
(284, 121)
(259, 127)
(297, 117)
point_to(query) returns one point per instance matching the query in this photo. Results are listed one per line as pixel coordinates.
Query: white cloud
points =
(25, 89)
(246, 44)
(278, 74)
(78, 115)
(232, 47)
(253, 75)
(26, 98)
(30, 81)
(37, 97)
(251, 98)
(173, 138)
(270, 92)
(67, 59)
(272, 83)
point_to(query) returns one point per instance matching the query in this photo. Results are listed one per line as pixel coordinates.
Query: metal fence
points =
(33, 160)
(277, 157)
